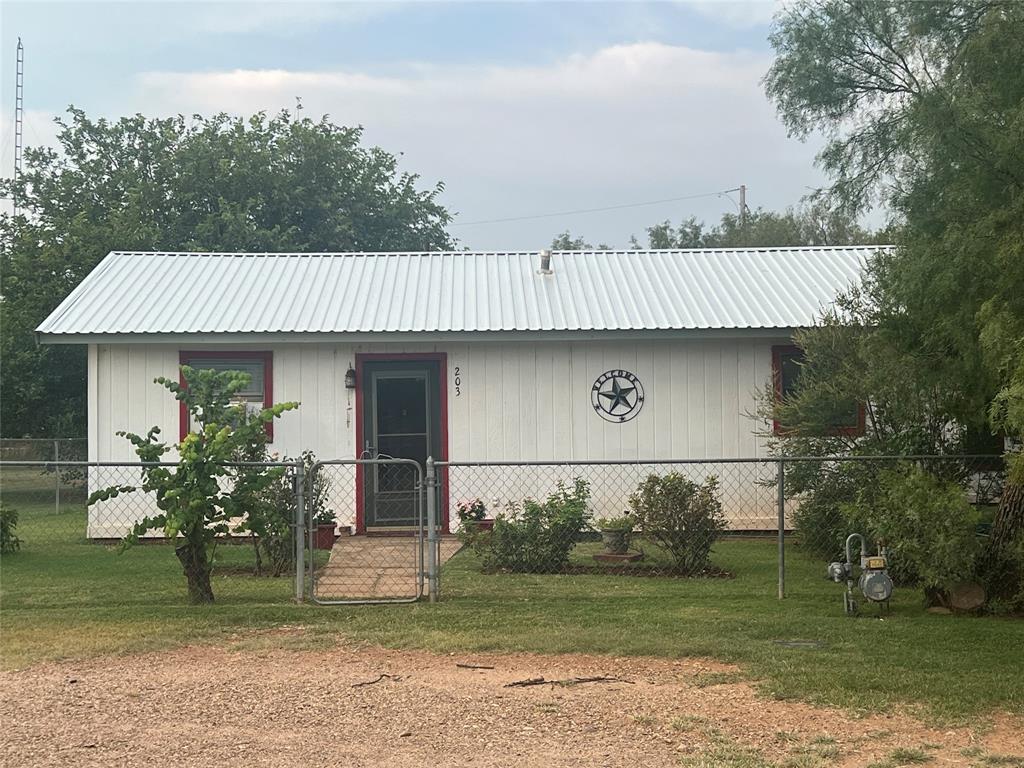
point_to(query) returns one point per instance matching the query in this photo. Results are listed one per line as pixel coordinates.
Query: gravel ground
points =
(254, 704)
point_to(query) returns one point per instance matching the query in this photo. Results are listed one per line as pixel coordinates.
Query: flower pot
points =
(616, 540)
(475, 526)
(323, 537)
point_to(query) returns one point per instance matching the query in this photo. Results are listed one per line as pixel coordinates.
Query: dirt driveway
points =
(256, 705)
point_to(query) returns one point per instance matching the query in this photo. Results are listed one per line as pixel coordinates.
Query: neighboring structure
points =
(467, 356)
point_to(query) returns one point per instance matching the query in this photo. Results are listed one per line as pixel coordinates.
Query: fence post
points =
(56, 467)
(300, 531)
(431, 530)
(781, 482)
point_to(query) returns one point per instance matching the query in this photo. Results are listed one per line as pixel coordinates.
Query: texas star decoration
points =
(617, 395)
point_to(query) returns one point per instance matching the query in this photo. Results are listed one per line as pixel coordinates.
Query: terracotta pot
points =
(474, 526)
(324, 536)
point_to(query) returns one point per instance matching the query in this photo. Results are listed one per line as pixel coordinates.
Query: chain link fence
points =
(727, 518)
(62, 480)
(386, 530)
(74, 548)
(367, 531)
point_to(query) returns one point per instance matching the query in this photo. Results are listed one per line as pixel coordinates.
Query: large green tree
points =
(814, 223)
(923, 107)
(264, 183)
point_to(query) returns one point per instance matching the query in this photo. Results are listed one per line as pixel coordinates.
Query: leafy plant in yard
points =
(9, 542)
(471, 511)
(271, 515)
(683, 517)
(195, 505)
(927, 525)
(616, 533)
(538, 537)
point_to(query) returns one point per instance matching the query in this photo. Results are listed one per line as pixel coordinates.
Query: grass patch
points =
(63, 598)
(909, 756)
(726, 753)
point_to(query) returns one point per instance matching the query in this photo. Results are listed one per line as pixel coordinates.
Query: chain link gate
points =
(366, 532)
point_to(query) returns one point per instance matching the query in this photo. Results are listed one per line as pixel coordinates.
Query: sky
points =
(530, 109)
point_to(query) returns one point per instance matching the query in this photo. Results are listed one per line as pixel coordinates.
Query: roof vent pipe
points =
(545, 262)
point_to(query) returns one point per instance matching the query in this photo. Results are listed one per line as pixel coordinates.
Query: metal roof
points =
(360, 293)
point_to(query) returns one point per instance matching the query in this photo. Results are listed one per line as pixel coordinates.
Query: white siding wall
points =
(516, 401)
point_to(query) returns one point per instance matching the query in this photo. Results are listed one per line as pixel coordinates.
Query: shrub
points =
(823, 517)
(9, 542)
(618, 523)
(927, 525)
(538, 537)
(271, 516)
(683, 517)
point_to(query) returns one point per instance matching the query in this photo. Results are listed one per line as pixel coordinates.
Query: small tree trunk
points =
(259, 558)
(1001, 574)
(195, 564)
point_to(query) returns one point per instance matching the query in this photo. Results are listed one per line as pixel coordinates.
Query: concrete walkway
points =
(375, 567)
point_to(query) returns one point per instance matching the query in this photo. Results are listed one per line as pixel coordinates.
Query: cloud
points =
(292, 18)
(742, 14)
(625, 123)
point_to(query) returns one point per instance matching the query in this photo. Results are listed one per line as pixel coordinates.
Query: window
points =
(256, 396)
(787, 365)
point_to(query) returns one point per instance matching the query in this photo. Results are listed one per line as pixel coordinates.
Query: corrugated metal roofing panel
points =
(188, 293)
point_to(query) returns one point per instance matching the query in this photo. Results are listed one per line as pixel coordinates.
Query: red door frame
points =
(442, 472)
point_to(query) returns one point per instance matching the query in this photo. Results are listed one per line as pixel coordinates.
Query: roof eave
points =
(260, 338)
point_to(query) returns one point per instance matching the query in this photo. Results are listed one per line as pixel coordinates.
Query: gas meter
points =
(873, 579)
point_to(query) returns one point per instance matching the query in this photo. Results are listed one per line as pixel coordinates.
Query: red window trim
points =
(442, 472)
(778, 429)
(184, 356)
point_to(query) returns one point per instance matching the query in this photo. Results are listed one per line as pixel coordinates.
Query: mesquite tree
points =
(922, 105)
(206, 490)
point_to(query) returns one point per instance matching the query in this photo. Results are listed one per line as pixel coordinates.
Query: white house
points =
(618, 355)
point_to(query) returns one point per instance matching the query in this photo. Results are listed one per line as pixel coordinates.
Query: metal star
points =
(618, 396)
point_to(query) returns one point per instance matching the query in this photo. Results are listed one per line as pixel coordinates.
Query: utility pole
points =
(19, 117)
(743, 206)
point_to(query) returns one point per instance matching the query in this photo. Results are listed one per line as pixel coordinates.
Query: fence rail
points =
(737, 518)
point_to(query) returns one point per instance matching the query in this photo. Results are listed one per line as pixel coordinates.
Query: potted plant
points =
(324, 526)
(616, 533)
(473, 516)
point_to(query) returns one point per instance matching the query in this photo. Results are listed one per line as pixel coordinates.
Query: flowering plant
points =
(471, 511)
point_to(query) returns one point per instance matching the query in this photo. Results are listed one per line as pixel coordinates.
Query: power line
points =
(593, 210)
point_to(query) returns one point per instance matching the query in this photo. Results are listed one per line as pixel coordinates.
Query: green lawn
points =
(65, 598)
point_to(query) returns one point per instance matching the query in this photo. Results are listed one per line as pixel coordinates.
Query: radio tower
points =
(19, 117)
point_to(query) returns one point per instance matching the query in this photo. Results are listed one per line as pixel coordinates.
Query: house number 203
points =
(458, 381)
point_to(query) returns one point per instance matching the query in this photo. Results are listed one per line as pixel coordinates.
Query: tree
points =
(195, 505)
(923, 104)
(811, 224)
(220, 183)
(566, 242)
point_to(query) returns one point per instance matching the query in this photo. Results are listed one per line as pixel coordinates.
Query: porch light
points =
(350, 378)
